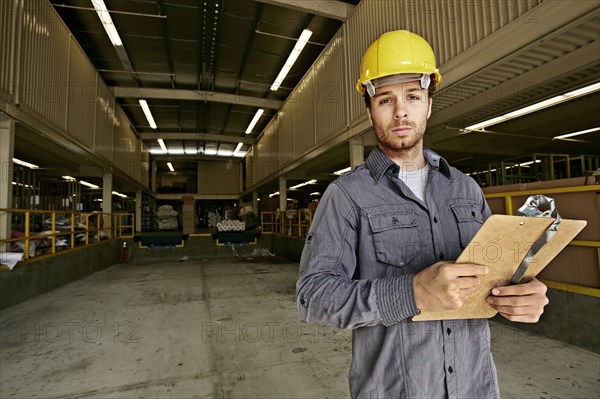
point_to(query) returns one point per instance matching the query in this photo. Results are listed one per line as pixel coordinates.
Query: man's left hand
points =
(520, 302)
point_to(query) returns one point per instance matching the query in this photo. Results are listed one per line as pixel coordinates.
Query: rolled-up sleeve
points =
(326, 292)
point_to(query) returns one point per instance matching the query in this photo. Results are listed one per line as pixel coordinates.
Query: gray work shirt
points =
(369, 237)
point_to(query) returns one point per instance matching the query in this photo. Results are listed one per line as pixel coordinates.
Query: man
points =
(382, 241)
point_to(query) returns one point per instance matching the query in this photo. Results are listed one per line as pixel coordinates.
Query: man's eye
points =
(414, 98)
(385, 101)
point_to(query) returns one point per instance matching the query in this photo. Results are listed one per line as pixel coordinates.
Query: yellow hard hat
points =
(397, 52)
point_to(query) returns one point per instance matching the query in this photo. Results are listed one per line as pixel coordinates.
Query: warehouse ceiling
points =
(205, 67)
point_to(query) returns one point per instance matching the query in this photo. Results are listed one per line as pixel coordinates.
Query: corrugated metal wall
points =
(145, 164)
(58, 83)
(81, 96)
(267, 161)
(331, 91)
(219, 177)
(303, 100)
(44, 78)
(249, 158)
(7, 30)
(105, 121)
(135, 156)
(450, 26)
(285, 122)
(122, 141)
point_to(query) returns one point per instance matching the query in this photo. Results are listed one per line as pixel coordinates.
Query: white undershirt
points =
(416, 180)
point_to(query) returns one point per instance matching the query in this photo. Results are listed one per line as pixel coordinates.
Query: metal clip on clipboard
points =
(531, 208)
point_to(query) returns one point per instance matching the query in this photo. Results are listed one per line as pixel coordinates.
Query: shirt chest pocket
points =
(395, 235)
(469, 220)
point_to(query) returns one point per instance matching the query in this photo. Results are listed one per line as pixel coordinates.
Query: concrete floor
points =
(220, 328)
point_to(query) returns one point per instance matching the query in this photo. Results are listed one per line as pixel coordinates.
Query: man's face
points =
(399, 116)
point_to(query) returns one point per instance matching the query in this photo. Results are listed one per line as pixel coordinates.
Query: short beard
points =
(394, 146)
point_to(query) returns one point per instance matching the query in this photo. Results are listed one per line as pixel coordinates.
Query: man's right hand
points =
(446, 285)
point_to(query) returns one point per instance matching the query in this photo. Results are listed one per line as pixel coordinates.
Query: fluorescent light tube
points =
(176, 151)
(342, 171)
(302, 40)
(537, 106)
(26, 164)
(303, 184)
(107, 22)
(170, 165)
(119, 194)
(274, 194)
(162, 145)
(564, 136)
(487, 123)
(254, 120)
(90, 185)
(238, 148)
(69, 178)
(148, 114)
(159, 151)
(223, 152)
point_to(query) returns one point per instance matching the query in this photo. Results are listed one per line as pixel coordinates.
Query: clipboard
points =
(501, 244)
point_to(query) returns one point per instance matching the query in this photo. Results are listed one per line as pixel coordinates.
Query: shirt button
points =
(449, 331)
(450, 370)
(434, 219)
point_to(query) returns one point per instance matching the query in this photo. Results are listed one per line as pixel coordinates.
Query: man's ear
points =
(429, 110)
(371, 119)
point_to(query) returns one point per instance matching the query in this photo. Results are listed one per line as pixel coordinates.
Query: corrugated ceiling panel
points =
(81, 100)
(44, 75)
(521, 62)
(303, 100)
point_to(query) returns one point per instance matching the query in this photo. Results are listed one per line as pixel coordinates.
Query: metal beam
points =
(326, 8)
(196, 136)
(194, 95)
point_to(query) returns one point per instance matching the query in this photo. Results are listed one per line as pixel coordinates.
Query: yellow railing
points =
(293, 223)
(55, 231)
(508, 197)
(281, 222)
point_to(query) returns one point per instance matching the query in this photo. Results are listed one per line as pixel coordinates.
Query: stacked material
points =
(167, 218)
(213, 219)
(231, 225)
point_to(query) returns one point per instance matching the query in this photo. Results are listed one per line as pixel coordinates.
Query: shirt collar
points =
(378, 163)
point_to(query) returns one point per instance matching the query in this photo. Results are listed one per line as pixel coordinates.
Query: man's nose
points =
(400, 111)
